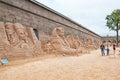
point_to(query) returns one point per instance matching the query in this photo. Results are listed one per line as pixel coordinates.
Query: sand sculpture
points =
(10, 32)
(47, 46)
(98, 44)
(17, 40)
(62, 44)
(76, 43)
(90, 44)
(71, 44)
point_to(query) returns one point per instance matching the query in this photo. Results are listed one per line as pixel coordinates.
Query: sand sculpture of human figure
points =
(90, 44)
(10, 32)
(60, 43)
(21, 33)
(46, 46)
(70, 40)
(76, 43)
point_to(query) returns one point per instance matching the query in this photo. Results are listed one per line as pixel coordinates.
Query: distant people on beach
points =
(102, 47)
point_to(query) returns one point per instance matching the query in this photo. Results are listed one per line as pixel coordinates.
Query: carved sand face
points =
(60, 31)
(9, 25)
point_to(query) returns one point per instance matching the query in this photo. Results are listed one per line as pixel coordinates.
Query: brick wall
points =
(33, 15)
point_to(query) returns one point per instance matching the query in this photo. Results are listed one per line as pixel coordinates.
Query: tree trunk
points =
(117, 35)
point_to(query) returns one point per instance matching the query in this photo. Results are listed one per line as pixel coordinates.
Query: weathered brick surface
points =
(32, 15)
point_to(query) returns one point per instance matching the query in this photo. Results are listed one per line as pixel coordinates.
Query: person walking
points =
(108, 50)
(114, 48)
(102, 47)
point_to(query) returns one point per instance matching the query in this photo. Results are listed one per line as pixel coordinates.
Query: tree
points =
(113, 22)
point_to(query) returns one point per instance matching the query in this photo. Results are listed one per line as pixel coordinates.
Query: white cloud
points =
(89, 13)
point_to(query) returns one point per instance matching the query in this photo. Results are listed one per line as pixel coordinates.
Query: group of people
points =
(102, 47)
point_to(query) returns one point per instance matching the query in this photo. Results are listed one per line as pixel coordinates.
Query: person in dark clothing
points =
(102, 47)
(114, 48)
(108, 50)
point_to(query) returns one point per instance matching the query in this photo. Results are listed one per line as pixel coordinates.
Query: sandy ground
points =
(86, 67)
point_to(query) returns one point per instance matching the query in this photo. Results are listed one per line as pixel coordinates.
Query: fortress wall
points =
(26, 30)
(30, 14)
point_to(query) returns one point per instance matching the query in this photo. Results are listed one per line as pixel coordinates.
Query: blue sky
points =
(89, 13)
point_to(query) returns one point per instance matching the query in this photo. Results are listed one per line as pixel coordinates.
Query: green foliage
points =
(113, 20)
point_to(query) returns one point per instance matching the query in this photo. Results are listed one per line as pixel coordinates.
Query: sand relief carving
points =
(46, 43)
(47, 46)
(76, 43)
(98, 44)
(72, 42)
(18, 41)
(60, 43)
(11, 34)
(17, 35)
(23, 40)
(90, 44)
(22, 35)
